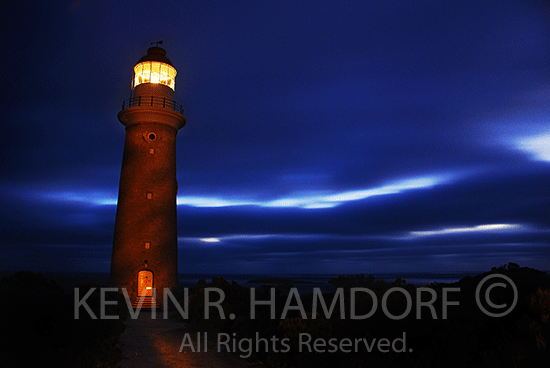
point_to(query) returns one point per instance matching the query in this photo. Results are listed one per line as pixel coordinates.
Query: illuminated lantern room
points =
(155, 68)
(152, 93)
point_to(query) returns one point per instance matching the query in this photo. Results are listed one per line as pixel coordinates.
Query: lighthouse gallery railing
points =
(152, 101)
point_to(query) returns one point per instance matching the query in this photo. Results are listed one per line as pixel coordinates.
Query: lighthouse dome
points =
(155, 54)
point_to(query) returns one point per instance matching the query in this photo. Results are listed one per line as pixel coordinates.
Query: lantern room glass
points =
(155, 72)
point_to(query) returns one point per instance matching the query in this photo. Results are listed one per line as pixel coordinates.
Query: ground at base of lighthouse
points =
(148, 342)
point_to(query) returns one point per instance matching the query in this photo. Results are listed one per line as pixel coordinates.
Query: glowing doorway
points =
(145, 283)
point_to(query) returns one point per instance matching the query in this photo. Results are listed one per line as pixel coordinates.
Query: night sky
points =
(322, 136)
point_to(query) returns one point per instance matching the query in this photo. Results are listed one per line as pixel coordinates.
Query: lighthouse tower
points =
(145, 253)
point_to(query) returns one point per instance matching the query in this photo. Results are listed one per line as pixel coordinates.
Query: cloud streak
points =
(538, 146)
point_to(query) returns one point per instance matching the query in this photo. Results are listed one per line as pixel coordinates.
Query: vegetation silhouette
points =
(466, 338)
(40, 330)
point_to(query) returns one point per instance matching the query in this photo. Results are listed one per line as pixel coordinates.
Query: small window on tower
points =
(149, 136)
(149, 195)
(147, 245)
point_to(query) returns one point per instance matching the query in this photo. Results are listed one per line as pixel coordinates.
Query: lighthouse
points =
(145, 251)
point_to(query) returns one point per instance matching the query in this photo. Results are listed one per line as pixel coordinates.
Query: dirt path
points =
(155, 343)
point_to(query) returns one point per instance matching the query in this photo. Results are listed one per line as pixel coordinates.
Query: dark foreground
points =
(39, 328)
(148, 342)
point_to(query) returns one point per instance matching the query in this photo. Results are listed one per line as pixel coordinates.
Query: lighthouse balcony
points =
(152, 109)
(154, 102)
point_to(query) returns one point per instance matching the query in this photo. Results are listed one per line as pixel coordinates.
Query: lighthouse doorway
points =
(145, 283)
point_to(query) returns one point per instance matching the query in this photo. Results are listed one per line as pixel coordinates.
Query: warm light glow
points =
(155, 72)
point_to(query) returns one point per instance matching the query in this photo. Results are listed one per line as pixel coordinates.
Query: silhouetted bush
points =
(466, 338)
(39, 328)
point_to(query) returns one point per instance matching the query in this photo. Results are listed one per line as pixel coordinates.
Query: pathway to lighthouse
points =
(155, 343)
